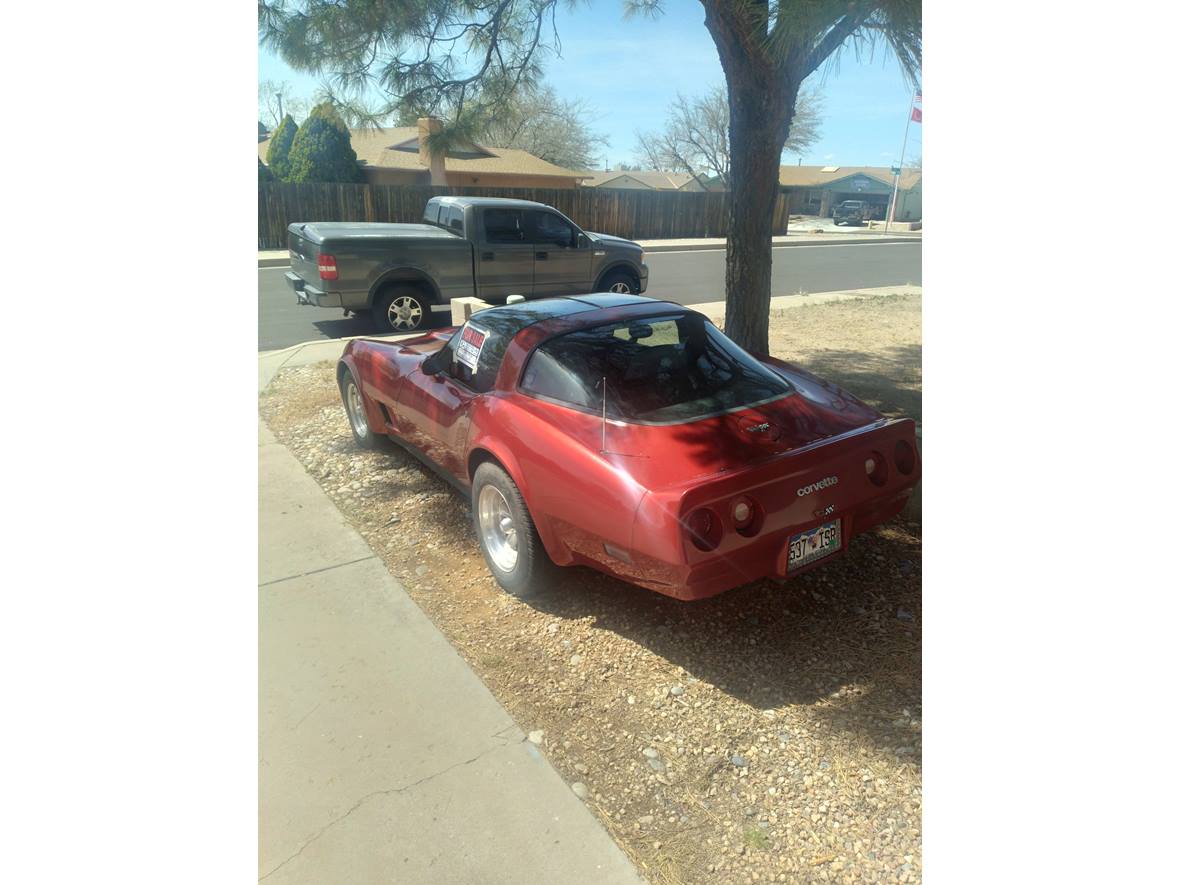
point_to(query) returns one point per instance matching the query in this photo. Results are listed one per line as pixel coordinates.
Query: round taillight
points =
(904, 457)
(747, 516)
(704, 528)
(876, 468)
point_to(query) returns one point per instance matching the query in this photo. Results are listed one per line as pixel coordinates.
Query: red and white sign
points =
(470, 345)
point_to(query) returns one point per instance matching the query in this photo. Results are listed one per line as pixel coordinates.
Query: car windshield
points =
(663, 370)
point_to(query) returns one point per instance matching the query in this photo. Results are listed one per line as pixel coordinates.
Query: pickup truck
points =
(487, 247)
(851, 211)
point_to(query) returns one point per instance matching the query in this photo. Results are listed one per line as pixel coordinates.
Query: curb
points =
(283, 261)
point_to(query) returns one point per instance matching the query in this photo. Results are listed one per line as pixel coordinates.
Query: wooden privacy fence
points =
(634, 214)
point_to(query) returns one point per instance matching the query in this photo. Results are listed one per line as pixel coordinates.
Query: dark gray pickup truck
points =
(485, 247)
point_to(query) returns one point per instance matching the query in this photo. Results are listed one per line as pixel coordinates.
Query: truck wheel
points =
(358, 420)
(621, 282)
(509, 540)
(401, 309)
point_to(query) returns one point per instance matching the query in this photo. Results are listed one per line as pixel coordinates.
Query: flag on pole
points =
(916, 115)
(918, 96)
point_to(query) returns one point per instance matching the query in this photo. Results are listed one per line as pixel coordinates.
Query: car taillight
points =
(904, 458)
(876, 468)
(327, 265)
(747, 516)
(704, 528)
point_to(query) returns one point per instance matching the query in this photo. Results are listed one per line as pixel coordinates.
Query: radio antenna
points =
(604, 414)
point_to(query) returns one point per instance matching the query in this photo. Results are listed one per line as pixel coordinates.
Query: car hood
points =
(612, 241)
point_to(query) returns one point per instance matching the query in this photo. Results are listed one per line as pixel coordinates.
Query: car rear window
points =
(661, 370)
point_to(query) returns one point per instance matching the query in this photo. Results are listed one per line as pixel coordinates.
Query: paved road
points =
(684, 277)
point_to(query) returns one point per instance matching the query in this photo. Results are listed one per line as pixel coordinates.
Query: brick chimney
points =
(435, 162)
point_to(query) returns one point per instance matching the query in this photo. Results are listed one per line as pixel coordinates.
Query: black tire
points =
(362, 431)
(616, 280)
(401, 309)
(532, 571)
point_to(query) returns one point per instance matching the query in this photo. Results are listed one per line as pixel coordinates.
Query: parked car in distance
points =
(851, 211)
(630, 435)
(485, 247)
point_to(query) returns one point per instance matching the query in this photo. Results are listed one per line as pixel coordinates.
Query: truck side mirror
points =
(583, 241)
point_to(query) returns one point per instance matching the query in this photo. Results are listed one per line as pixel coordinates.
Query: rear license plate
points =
(806, 547)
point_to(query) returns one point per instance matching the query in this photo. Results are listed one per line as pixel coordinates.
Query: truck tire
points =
(621, 282)
(507, 536)
(401, 309)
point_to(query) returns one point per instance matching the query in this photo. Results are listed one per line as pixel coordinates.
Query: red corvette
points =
(632, 436)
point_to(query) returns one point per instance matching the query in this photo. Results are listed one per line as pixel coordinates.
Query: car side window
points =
(503, 225)
(473, 356)
(552, 230)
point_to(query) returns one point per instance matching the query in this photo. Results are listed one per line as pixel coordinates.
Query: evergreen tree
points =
(279, 149)
(322, 149)
(264, 173)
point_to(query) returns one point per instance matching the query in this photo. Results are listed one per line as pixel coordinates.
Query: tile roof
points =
(378, 147)
(816, 176)
(652, 178)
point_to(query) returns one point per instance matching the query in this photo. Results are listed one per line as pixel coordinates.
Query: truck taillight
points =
(327, 265)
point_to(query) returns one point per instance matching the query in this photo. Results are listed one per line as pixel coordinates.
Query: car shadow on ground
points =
(364, 325)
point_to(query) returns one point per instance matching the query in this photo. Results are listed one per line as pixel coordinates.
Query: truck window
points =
(455, 220)
(430, 216)
(503, 225)
(550, 229)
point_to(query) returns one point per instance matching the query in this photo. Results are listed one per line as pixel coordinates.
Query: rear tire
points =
(402, 309)
(507, 536)
(620, 282)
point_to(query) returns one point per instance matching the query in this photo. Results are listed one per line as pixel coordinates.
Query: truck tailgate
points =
(303, 252)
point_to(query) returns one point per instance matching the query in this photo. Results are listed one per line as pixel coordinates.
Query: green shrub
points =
(264, 173)
(279, 150)
(322, 149)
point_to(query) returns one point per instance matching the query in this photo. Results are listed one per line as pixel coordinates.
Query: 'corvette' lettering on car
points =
(816, 486)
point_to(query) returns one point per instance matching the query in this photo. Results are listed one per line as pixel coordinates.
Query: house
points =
(815, 190)
(641, 180)
(398, 155)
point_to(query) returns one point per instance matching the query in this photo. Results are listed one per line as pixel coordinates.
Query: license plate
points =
(806, 547)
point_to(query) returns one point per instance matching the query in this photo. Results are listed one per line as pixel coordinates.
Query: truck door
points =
(561, 266)
(503, 255)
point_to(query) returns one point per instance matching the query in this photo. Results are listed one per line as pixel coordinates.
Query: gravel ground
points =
(769, 734)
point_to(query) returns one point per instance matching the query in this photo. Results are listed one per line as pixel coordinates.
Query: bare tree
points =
(276, 100)
(695, 138)
(537, 121)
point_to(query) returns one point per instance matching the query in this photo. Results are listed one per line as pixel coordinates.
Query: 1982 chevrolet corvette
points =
(630, 435)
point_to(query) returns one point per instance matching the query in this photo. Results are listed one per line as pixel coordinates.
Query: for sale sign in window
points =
(470, 345)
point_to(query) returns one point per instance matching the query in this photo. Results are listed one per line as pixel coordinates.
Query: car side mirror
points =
(432, 365)
(583, 241)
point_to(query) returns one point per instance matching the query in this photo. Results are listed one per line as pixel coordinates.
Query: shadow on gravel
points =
(830, 639)
(890, 381)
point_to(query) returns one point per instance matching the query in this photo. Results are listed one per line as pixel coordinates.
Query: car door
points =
(435, 409)
(504, 255)
(562, 258)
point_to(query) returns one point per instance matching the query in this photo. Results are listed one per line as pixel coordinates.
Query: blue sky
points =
(629, 72)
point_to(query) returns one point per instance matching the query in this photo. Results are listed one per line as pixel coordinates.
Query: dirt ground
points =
(769, 734)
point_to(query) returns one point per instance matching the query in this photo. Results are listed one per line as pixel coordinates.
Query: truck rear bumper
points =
(306, 294)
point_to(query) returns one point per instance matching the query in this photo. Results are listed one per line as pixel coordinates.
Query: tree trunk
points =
(759, 121)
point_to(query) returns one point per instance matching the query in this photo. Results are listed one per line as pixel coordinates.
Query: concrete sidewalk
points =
(279, 257)
(382, 757)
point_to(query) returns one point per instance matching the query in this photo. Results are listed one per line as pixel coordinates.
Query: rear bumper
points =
(763, 557)
(306, 294)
